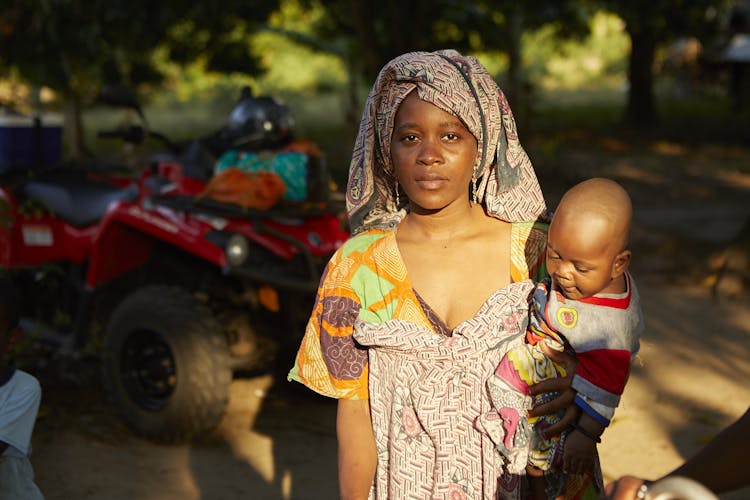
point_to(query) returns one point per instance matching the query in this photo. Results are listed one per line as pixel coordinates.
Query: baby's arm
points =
(597, 406)
(580, 445)
(597, 402)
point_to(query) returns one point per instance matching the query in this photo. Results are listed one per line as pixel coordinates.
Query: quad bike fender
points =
(129, 234)
(32, 238)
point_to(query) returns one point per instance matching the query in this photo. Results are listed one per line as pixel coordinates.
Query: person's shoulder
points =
(530, 233)
(530, 226)
(364, 241)
(528, 250)
(26, 377)
(27, 382)
(22, 388)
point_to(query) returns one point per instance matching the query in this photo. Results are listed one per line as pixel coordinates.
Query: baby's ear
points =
(621, 263)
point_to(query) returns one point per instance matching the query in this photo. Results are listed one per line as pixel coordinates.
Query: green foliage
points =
(556, 62)
(293, 60)
(321, 55)
(650, 23)
(74, 46)
(566, 18)
(669, 19)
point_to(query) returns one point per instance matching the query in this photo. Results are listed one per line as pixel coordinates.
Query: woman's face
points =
(433, 154)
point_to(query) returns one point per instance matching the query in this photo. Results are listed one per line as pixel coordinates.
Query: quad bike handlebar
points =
(135, 134)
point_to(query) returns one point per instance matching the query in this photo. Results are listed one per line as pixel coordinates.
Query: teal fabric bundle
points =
(290, 166)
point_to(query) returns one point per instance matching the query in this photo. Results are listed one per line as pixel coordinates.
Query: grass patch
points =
(555, 120)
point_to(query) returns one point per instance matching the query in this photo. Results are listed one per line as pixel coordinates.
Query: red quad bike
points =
(188, 290)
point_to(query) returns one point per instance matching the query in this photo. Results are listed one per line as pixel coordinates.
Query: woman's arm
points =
(356, 447)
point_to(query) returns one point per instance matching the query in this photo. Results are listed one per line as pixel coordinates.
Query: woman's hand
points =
(624, 488)
(561, 385)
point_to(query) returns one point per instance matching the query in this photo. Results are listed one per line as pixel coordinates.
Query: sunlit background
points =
(655, 94)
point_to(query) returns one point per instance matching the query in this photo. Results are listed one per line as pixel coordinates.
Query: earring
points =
(474, 188)
(397, 200)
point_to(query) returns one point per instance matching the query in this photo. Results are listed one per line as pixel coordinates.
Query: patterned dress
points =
(370, 335)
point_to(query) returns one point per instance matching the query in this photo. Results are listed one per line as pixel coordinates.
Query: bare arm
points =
(580, 448)
(356, 449)
(717, 465)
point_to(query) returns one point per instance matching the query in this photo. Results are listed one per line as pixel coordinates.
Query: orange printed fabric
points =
(259, 190)
(367, 278)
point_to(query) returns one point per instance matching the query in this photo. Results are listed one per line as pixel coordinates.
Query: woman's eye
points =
(409, 138)
(451, 136)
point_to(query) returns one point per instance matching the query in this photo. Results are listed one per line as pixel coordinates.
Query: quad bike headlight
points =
(237, 249)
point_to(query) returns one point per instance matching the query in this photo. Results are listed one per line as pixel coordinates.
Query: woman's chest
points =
(455, 284)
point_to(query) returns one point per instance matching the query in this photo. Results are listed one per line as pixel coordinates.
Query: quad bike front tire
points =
(166, 365)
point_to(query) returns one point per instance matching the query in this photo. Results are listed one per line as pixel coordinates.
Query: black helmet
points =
(257, 123)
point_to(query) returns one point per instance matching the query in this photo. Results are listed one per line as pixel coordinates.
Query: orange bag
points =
(260, 190)
(307, 146)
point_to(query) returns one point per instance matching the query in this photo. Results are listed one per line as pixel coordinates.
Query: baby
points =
(588, 304)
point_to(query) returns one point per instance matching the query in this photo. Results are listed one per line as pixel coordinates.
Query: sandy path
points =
(689, 383)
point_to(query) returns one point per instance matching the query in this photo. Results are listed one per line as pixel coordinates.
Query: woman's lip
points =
(430, 183)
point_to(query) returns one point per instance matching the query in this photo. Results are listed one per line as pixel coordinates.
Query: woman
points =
(415, 310)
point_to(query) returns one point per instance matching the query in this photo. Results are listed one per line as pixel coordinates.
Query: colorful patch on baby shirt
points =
(567, 317)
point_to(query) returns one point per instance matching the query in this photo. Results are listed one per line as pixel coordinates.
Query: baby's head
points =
(588, 237)
(10, 310)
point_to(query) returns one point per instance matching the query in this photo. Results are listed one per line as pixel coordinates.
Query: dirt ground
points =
(689, 381)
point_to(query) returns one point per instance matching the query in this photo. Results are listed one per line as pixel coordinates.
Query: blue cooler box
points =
(23, 145)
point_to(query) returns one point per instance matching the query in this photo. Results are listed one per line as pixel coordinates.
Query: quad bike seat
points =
(76, 199)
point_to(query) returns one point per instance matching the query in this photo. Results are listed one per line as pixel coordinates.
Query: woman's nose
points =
(430, 152)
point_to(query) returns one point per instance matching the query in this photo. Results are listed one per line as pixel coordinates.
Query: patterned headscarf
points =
(461, 86)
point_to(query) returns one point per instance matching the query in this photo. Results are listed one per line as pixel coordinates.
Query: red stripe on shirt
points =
(621, 303)
(605, 368)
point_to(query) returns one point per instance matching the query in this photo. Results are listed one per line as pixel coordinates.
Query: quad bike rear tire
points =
(166, 364)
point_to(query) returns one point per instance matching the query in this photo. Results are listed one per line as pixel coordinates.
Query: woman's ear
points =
(621, 263)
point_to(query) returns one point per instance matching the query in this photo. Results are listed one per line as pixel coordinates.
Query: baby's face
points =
(581, 253)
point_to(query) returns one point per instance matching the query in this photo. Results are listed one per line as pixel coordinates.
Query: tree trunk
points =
(640, 106)
(74, 126)
(515, 89)
(367, 39)
(515, 29)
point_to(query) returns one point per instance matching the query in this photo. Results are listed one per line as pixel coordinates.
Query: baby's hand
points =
(578, 454)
